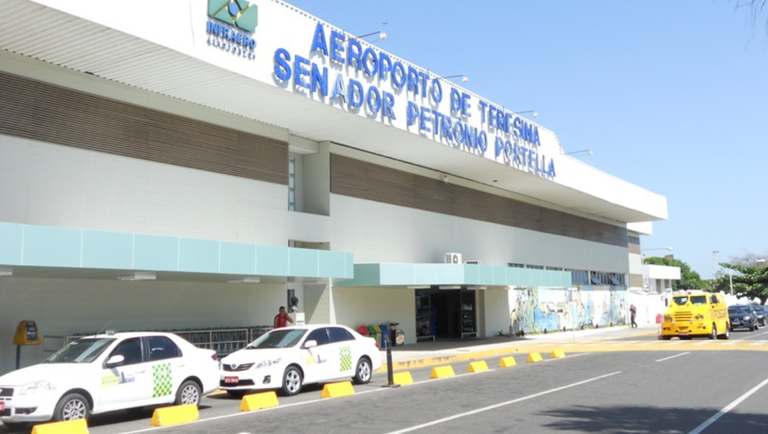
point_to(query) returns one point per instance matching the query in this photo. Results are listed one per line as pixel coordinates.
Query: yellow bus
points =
(694, 313)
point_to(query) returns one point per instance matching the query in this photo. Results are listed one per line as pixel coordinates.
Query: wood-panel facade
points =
(54, 114)
(364, 180)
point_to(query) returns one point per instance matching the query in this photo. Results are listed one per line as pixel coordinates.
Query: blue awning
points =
(394, 274)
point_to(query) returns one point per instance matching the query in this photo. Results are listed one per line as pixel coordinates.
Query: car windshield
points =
(696, 300)
(738, 309)
(84, 350)
(699, 300)
(278, 339)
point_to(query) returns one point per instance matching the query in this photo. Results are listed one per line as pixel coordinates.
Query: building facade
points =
(200, 163)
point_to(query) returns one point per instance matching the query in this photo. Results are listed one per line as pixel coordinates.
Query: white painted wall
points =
(407, 235)
(53, 185)
(496, 311)
(366, 306)
(648, 305)
(63, 307)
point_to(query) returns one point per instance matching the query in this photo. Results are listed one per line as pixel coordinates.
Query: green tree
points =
(750, 278)
(689, 279)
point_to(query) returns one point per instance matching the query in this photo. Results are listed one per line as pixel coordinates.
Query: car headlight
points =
(747, 318)
(37, 386)
(267, 363)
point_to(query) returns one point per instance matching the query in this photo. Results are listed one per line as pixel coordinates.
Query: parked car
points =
(743, 315)
(107, 372)
(762, 312)
(288, 358)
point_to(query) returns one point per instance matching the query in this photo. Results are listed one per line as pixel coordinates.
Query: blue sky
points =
(669, 95)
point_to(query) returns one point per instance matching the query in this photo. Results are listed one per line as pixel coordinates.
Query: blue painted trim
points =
(28, 245)
(388, 274)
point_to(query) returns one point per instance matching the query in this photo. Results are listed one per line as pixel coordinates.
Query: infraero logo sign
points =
(239, 13)
(239, 19)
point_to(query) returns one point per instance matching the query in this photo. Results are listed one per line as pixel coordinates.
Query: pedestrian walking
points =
(633, 314)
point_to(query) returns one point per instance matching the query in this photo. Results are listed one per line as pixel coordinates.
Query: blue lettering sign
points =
(318, 40)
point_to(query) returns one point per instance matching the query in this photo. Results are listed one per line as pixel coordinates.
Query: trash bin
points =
(363, 330)
(393, 334)
(384, 333)
(399, 337)
(375, 332)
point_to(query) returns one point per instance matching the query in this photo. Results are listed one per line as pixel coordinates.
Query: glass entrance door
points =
(468, 311)
(445, 313)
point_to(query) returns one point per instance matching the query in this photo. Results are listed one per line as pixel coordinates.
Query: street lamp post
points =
(730, 281)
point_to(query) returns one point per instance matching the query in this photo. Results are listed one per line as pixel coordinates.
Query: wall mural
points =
(543, 309)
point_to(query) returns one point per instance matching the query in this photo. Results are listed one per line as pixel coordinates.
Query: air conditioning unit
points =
(453, 258)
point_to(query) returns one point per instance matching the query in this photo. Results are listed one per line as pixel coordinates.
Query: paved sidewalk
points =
(444, 351)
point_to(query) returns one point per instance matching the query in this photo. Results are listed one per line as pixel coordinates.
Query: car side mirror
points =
(310, 344)
(115, 360)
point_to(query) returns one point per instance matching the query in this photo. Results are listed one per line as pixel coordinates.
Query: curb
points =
(512, 349)
(425, 362)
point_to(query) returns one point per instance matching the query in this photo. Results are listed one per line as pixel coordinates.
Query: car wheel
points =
(363, 372)
(236, 393)
(713, 335)
(666, 338)
(189, 393)
(291, 381)
(72, 407)
(727, 334)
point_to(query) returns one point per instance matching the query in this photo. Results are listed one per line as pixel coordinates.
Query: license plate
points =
(683, 333)
(231, 380)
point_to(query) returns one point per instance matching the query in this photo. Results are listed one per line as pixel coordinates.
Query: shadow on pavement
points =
(647, 420)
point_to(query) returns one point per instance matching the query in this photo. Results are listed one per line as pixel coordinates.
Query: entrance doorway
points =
(447, 314)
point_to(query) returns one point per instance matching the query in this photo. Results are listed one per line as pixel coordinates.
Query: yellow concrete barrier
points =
(175, 415)
(335, 390)
(534, 358)
(79, 426)
(506, 362)
(257, 401)
(478, 366)
(441, 372)
(557, 354)
(402, 378)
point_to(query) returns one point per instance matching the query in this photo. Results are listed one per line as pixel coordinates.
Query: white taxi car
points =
(288, 358)
(107, 372)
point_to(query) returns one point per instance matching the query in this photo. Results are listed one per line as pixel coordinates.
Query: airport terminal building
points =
(196, 165)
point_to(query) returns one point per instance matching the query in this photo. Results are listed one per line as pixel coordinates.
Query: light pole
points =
(714, 269)
(730, 281)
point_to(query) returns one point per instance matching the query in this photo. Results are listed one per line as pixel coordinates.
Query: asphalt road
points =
(687, 388)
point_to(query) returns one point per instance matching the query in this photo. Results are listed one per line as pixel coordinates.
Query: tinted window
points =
(339, 334)
(698, 300)
(130, 349)
(319, 335)
(160, 347)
